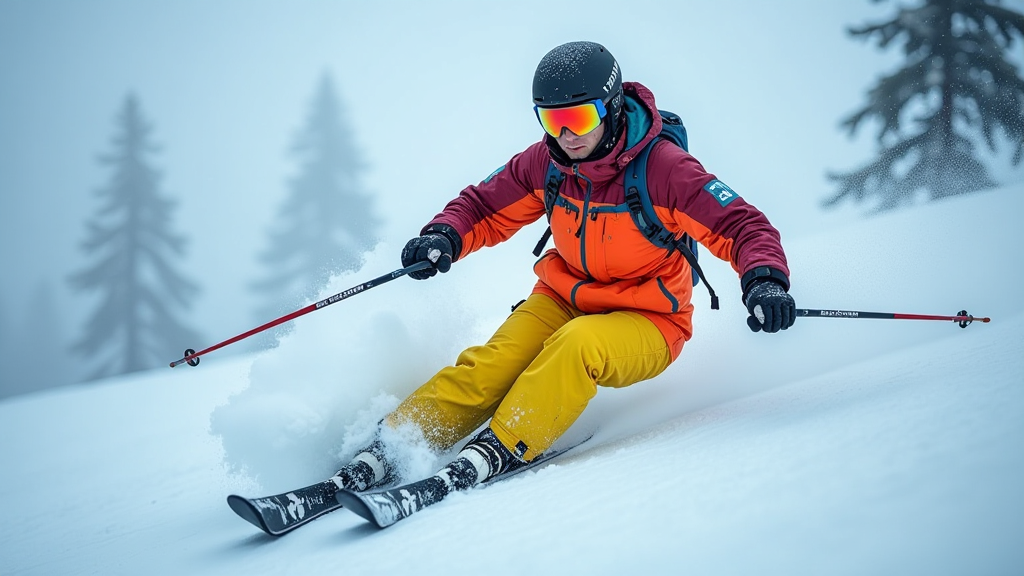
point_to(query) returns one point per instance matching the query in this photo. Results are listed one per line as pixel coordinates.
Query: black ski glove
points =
(771, 308)
(431, 247)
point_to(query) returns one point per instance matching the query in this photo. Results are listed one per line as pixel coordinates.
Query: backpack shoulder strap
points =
(552, 183)
(641, 209)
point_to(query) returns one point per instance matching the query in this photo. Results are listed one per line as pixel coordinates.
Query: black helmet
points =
(578, 72)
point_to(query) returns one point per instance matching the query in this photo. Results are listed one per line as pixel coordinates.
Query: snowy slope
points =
(839, 447)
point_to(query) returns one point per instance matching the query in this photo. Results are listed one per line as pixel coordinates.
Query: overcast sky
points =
(438, 95)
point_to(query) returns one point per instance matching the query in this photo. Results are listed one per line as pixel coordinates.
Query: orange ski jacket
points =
(600, 261)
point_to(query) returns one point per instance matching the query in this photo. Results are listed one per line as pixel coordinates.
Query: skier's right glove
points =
(432, 247)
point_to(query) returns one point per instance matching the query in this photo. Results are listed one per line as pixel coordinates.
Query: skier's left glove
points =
(771, 307)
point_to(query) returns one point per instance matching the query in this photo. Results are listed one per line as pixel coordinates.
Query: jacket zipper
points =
(581, 232)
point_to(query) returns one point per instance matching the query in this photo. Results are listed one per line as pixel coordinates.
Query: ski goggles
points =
(580, 119)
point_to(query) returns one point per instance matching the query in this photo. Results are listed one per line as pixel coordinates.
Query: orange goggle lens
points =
(579, 119)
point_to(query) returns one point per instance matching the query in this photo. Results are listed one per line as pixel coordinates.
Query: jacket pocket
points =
(673, 301)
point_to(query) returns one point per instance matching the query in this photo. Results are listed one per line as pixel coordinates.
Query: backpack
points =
(638, 200)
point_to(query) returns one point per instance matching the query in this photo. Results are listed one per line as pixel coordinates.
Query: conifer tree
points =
(38, 358)
(6, 359)
(957, 84)
(136, 324)
(326, 223)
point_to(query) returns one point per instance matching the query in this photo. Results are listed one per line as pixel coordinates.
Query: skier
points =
(609, 308)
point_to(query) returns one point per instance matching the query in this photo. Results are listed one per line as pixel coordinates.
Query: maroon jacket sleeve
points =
(689, 199)
(503, 203)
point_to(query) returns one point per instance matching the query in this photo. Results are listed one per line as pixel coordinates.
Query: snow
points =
(838, 447)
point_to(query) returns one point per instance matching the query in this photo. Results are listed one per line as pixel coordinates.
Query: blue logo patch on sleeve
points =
(495, 173)
(721, 192)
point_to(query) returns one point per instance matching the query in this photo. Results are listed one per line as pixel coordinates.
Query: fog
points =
(438, 95)
(850, 447)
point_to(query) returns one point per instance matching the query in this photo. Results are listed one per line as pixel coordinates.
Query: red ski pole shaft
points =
(962, 317)
(192, 357)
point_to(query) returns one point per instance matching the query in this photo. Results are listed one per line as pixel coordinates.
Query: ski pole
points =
(192, 357)
(962, 317)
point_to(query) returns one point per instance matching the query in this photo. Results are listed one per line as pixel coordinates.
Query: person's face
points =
(579, 147)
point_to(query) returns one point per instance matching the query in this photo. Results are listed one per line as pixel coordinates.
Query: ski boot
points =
(370, 468)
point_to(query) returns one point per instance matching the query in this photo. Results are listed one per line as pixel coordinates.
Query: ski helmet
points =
(579, 72)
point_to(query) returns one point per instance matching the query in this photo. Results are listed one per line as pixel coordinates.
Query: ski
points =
(282, 513)
(386, 507)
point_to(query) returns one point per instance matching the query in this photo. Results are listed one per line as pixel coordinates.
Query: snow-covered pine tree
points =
(136, 324)
(957, 83)
(326, 224)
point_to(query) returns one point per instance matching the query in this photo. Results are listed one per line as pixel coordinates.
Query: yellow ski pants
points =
(535, 376)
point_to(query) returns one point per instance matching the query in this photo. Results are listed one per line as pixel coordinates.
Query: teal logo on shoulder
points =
(495, 173)
(721, 192)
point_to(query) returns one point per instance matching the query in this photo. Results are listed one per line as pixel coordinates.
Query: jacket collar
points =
(642, 124)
